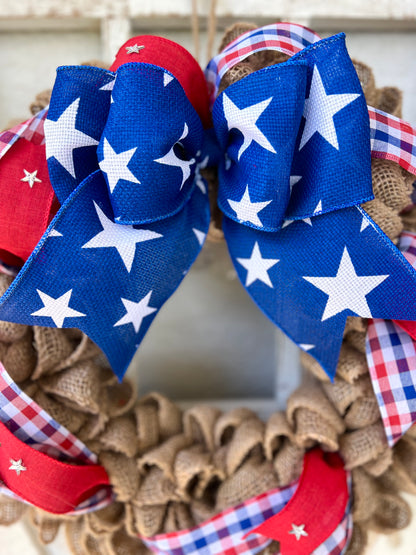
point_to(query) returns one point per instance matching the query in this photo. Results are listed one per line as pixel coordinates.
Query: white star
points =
(257, 267)
(134, 49)
(298, 531)
(346, 290)
(200, 235)
(62, 137)
(246, 210)
(288, 222)
(17, 466)
(109, 86)
(31, 178)
(170, 159)
(167, 78)
(364, 224)
(135, 312)
(55, 233)
(121, 237)
(245, 121)
(57, 309)
(319, 111)
(318, 208)
(306, 346)
(199, 180)
(115, 165)
(293, 179)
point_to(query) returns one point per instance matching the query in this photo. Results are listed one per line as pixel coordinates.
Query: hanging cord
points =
(195, 28)
(212, 28)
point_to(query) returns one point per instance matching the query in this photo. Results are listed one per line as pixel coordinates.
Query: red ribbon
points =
(49, 484)
(408, 327)
(316, 508)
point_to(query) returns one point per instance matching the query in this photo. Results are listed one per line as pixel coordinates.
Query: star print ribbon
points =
(39, 458)
(122, 148)
(298, 142)
(309, 517)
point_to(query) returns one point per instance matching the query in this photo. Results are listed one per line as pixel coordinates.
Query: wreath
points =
(289, 155)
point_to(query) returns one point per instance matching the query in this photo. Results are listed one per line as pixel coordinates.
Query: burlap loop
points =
(72, 420)
(178, 517)
(121, 398)
(247, 438)
(314, 418)
(52, 346)
(163, 456)
(358, 541)
(156, 489)
(78, 386)
(20, 358)
(10, 510)
(368, 84)
(147, 426)
(390, 100)
(356, 338)
(342, 394)
(288, 463)
(251, 479)
(199, 424)
(194, 471)
(362, 413)
(169, 415)
(149, 519)
(379, 465)
(123, 473)
(277, 429)
(46, 526)
(228, 422)
(106, 520)
(120, 435)
(362, 446)
(352, 364)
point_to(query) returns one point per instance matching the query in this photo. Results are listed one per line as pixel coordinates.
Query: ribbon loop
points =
(71, 125)
(265, 125)
(138, 151)
(259, 178)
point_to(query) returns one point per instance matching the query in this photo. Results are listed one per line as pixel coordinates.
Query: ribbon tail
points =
(108, 280)
(307, 278)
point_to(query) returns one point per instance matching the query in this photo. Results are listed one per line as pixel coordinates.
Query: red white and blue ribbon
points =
(33, 427)
(296, 143)
(391, 358)
(250, 527)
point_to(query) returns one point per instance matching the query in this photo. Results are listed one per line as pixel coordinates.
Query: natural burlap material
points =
(171, 469)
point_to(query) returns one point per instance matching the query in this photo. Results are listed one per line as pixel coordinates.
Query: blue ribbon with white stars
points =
(123, 151)
(296, 167)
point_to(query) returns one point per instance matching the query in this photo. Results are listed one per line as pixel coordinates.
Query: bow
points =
(297, 166)
(122, 150)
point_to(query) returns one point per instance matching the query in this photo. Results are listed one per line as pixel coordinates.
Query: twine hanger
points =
(211, 28)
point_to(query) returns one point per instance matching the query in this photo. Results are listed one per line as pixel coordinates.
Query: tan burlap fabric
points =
(172, 469)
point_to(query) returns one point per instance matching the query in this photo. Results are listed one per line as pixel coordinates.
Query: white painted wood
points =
(115, 31)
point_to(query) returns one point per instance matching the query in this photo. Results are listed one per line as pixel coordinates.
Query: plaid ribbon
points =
(391, 358)
(223, 534)
(35, 427)
(391, 138)
(31, 130)
(284, 37)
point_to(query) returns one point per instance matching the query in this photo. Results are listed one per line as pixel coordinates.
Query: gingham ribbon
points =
(31, 130)
(391, 358)
(35, 427)
(223, 534)
(391, 138)
(284, 37)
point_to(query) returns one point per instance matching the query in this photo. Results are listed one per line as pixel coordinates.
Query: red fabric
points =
(52, 485)
(24, 211)
(319, 504)
(178, 61)
(409, 327)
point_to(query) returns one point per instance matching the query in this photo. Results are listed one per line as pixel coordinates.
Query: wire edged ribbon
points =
(124, 149)
(296, 139)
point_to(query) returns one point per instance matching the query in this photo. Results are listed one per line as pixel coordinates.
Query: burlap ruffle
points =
(172, 469)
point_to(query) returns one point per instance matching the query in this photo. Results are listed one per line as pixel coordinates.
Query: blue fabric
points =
(313, 228)
(147, 114)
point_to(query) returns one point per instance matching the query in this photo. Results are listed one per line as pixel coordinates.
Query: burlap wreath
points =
(173, 469)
